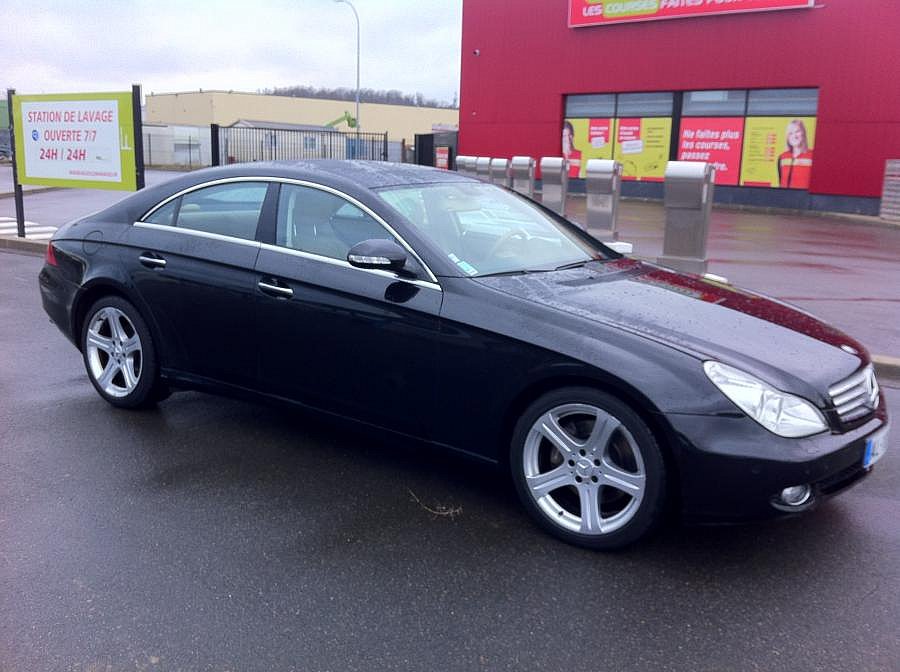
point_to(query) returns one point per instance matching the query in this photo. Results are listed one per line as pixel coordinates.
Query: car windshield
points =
(486, 230)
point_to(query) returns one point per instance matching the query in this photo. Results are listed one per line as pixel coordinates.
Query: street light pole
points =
(347, 2)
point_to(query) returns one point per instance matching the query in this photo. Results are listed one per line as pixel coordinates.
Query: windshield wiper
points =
(574, 264)
(528, 271)
(518, 271)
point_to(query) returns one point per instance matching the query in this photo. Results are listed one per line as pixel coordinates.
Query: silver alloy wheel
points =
(584, 469)
(114, 352)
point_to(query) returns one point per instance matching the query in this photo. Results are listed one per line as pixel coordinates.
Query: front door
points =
(350, 341)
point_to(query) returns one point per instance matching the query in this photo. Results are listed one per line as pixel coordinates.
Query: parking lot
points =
(215, 534)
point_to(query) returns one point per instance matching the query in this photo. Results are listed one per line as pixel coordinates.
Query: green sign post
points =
(77, 140)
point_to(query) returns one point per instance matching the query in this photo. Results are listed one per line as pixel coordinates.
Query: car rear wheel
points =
(118, 353)
(588, 469)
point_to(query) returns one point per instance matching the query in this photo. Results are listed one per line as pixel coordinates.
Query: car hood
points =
(710, 320)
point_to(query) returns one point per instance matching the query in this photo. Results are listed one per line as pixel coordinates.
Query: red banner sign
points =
(715, 140)
(605, 12)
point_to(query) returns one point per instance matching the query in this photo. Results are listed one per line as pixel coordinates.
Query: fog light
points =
(796, 495)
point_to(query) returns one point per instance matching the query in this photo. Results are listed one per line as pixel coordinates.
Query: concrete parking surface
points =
(212, 534)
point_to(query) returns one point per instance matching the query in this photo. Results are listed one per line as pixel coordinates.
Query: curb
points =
(36, 247)
(26, 192)
(869, 220)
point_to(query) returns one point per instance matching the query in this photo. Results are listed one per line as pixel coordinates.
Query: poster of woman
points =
(568, 149)
(778, 152)
(795, 164)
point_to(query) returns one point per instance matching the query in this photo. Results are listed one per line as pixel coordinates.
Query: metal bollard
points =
(688, 200)
(603, 180)
(483, 168)
(464, 165)
(522, 175)
(500, 172)
(554, 183)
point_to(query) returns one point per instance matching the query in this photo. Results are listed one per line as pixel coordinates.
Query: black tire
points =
(142, 364)
(533, 457)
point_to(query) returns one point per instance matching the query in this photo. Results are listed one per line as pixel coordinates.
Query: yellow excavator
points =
(346, 117)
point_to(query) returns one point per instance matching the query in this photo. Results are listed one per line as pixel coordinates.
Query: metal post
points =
(522, 169)
(554, 183)
(483, 168)
(688, 200)
(138, 132)
(603, 179)
(384, 154)
(215, 159)
(347, 2)
(17, 188)
(500, 172)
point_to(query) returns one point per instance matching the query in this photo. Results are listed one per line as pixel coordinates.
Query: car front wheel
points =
(588, 469)
(119, 354)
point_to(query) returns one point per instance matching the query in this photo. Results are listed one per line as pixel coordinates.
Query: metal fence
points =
(241, 144)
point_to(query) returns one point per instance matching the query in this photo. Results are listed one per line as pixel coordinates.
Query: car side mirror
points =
(385, 255)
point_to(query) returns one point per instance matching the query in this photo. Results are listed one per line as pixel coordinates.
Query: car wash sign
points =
(82, 140)
(604, 12)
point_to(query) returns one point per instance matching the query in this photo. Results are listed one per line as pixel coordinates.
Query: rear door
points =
(356, 342)
(192, 261)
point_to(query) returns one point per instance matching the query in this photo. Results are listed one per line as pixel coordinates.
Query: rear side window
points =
(225, 209)
(164, 215)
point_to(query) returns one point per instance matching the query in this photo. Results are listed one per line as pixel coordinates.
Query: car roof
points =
(369, 174)
(352, 177)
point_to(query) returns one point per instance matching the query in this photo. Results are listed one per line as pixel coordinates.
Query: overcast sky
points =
(185, 45)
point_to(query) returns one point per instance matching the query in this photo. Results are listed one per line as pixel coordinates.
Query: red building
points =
(797, 108)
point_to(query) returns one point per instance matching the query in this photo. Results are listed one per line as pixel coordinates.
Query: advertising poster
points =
(604, 12)
(584, 139)
(778, 152)
(442, 157)
(642, 147)
(76, 140)
(715, 140)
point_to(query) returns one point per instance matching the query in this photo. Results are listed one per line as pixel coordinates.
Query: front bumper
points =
(732, 470)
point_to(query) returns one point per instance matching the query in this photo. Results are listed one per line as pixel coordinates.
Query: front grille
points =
(855, 397)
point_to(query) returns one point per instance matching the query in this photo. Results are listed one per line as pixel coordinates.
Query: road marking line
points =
(28, 225)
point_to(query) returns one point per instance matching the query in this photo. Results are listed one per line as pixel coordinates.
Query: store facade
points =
(797, 105)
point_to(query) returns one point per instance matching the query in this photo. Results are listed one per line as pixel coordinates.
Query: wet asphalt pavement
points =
(212, 534)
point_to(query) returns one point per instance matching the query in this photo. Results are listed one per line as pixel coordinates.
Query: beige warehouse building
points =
(201, 108)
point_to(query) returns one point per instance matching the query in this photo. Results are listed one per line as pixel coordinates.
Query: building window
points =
(714, 104)
(656, 104)
(783, 102)
(593, 105)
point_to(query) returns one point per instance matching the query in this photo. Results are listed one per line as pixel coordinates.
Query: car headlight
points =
(779, 412)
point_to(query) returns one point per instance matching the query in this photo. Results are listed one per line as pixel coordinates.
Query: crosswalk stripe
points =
(33, 229)
(6, 222)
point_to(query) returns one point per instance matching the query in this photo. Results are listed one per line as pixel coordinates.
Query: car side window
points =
(319, 222)
(226, 209)
(165, 215)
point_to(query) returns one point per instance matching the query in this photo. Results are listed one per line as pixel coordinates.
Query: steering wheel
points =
(504, 240)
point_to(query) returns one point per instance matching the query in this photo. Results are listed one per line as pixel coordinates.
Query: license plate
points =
(876, 445)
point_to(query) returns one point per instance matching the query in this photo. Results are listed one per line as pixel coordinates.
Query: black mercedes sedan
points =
(458, 313)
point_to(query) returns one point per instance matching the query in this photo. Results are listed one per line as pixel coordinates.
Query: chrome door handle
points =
(153, 261)
(275, 290)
